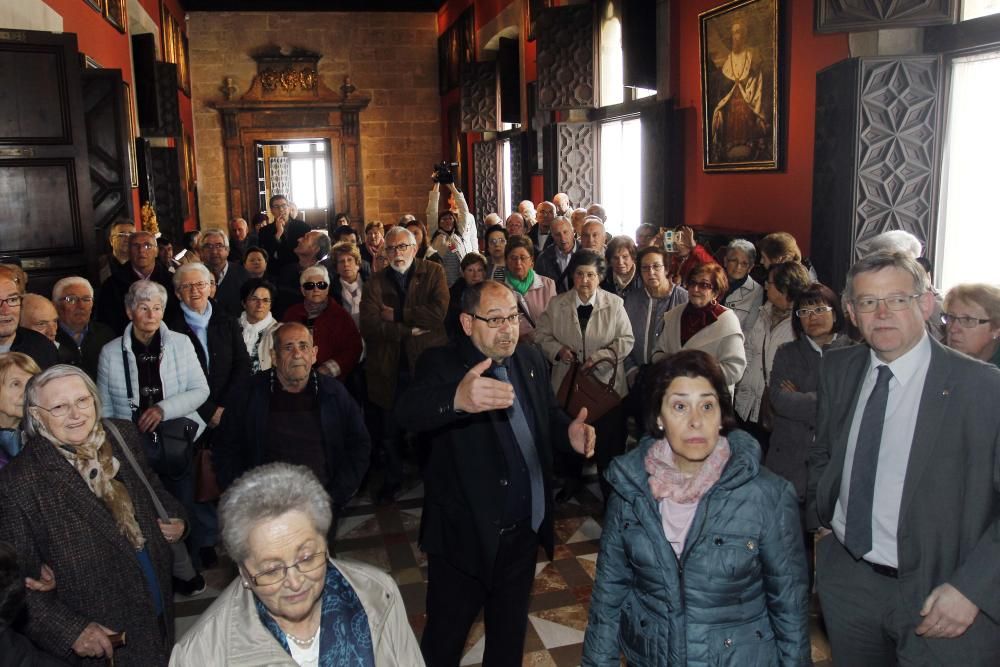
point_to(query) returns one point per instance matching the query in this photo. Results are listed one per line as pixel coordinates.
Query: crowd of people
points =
(756, 434)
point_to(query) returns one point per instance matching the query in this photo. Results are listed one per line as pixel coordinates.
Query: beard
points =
(401, 269)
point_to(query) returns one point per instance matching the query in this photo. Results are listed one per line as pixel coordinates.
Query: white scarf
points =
(251, 334)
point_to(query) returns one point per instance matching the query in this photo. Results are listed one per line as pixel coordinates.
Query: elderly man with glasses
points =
(142, 264)
(403, 309)
(14, 337)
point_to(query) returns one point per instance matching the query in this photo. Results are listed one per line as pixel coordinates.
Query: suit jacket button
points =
(504, 482)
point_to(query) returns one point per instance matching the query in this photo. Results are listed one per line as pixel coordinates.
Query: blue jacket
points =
(736, 596)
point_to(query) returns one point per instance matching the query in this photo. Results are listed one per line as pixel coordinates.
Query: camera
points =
(444, 172)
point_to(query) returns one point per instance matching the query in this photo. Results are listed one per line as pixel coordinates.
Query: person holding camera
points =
(454, 231)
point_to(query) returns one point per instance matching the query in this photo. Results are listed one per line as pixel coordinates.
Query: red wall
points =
(758, 201)
(101, 41)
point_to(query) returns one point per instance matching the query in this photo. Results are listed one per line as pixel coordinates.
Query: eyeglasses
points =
(739, 263)
(82, 404)
(213, 246)
(965, 321)
(651, 268)
(12, 301)
(869, 304)
(142, 246)
(818, 310)
(310, 286)
(73, 300)
(257, 299)
(497, 322)
(187, 287)
(700, 284)
(397, 248)
(498, 241)
(277, 574)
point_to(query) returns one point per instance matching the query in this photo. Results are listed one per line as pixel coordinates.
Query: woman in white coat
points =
(588, 324)
(704, 324)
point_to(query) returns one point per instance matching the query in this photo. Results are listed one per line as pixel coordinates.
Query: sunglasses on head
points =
(310, 286)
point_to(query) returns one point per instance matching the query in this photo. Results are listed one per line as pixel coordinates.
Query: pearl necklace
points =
(303, 643)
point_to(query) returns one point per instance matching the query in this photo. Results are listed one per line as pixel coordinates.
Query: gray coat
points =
(646, 316)
(794, 417)
(736, 596)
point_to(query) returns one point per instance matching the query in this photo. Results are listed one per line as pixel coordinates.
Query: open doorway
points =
(300, 170)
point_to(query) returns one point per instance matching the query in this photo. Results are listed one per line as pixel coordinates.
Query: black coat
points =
(229, 367)
(465, 481)
(533, 235)
(86, 354)
(18, 651)
(547, 265)
(36, 346)
(227, 294)
(345, 437)
(110, 306)
(282, 251)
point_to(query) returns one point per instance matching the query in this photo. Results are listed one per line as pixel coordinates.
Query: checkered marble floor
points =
(386, 536)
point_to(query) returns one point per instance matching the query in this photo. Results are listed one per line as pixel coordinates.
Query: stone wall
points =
(390, 56)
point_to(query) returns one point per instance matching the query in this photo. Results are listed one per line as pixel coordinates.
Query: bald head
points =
(39, 314)
(515, 224)
(561, 201)
(544, 216)
(578, 217)
(598, 212)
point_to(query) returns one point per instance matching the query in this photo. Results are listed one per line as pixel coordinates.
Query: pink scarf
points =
(666, 481)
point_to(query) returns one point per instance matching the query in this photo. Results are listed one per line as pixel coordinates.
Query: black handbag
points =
(170, 448)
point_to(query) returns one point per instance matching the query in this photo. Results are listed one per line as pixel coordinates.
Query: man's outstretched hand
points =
(479, 394)
(582, 435)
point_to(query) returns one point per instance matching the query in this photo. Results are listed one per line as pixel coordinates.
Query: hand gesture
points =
(46, 581)
(150, 419)
(172, 530)
(216, 417)
(93, 642)
(566, 354)
(582, 435)
(947, 613)
(478, 394)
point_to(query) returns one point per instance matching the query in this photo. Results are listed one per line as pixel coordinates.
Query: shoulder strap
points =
(128, 378)
(127, 451)
(524, 310)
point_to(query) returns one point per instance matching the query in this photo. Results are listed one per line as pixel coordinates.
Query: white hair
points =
(396, 231)
(316, 268)
(214, 231)
(144, 290)
(896, 240)
(187, 268)
(38, 382)
(60, 287)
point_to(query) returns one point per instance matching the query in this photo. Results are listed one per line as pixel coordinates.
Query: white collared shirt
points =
(590, 302)
(905, 389)
(563, 260)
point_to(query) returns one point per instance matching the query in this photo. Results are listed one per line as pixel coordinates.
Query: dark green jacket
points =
(736, 596)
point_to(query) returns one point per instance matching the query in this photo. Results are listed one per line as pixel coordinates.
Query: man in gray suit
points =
(905, 471)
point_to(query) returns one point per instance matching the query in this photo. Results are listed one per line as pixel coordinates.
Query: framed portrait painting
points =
(740, 76)
(114, 13)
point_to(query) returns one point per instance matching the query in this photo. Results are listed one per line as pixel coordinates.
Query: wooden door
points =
(108, 135)
(46, 216)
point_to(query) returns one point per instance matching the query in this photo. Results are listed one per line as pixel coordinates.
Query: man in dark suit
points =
(903, 470)
(142, 265)
(240, 239)
(80, 338)
(553, 262)
(487, 503)
(229, 276)
(282, 235)
(541, 232)
(13, 337)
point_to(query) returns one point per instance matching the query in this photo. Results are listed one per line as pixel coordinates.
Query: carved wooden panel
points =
(517, 171)
(479, 97)
(848, 15)
(566, 57)
(484, 159)
(571, 161)
(877, 137)
(163, 95)
(170, 200)
(107, 136)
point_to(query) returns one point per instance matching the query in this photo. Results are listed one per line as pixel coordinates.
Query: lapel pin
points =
(945, 392)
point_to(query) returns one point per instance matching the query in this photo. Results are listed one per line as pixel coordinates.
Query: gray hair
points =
(316, 268)
(268, 492)
(38, 382)
(887, 260)
(144, 290)
(187, 268)
(744, 247)
(70, 281)
(214, 231)
(559, 220)
(896, 240)
(396, 231)
(276, 334)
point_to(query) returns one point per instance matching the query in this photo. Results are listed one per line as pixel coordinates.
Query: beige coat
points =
(230, 632)
(723, 339)
(609, 332)
(535, 301)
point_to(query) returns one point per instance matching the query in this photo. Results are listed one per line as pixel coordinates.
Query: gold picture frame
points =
(740, 83)
(133, 164)
(114, 13)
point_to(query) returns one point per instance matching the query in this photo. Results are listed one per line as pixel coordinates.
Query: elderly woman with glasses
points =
(76, 500)
(745, 295)
(257, 323)
(972, 321)
(291, 603)
(332, 327)
(623, 276)
(704, 324)
(532, 290)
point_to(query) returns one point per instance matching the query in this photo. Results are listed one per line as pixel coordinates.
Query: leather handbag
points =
(583, 389)
(206, 486)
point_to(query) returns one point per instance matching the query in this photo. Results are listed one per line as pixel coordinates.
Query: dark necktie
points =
(858, 535)
(526, 443)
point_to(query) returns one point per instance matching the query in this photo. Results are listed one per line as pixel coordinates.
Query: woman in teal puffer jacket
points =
(701, 560)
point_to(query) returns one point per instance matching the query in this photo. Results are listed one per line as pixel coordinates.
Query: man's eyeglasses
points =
(818, 310)
(142, 246)
(700, 284)
(741, 264)
(82, 404)
(213, 246)
(498, 241)
(869, 304)
(390, 249)
(310, 286)
(73, 300)
(651, 268)
(187, 287)
(965, 321)
(497, 322)
(277, 574)
(12, 301)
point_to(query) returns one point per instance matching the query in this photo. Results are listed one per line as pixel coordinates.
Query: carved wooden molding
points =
(484, 157)
(479, 97)
(858, 15)
(566, 57)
